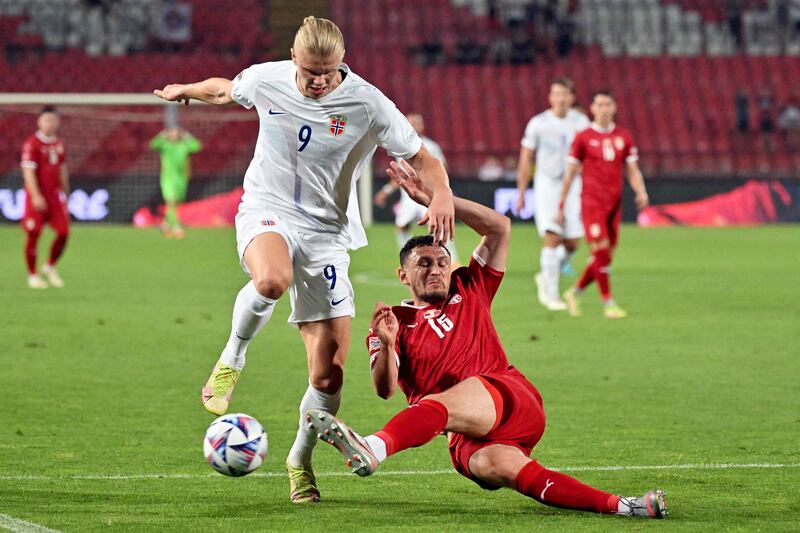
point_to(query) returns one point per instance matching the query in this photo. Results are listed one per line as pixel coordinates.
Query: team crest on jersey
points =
(431, 313)
(619, 143)
(338, 122)
(268, 222)
(456, 299)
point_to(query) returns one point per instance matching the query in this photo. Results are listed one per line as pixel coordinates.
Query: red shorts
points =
(521, 423)
(56, 214)
(601, 221)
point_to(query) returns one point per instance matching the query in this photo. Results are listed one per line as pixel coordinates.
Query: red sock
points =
(414, 426)
(58, 248)
(30, 250)
(560, 490)
(602, 259)
(588, 274)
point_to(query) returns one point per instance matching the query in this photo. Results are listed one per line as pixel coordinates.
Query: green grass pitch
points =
(101, 423)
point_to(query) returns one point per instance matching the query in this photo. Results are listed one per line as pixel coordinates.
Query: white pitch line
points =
(22, 526)
(607, 468)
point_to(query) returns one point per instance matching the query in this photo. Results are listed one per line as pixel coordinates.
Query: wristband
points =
(561, 205)
(387, 189)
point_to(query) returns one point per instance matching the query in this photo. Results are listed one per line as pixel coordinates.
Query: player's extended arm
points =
(493, 227)
(65, 178)
(569, 177)
(488, 223)
(211, 91)
(636, 179)
(523, 175)
(384, 325)
(32, 186)
(440, 216)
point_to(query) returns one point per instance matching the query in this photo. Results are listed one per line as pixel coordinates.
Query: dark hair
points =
(602, 92)
(48, 109)
(565, 82)
(416, 242)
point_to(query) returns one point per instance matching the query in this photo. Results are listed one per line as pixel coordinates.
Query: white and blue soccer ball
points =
(235, 444)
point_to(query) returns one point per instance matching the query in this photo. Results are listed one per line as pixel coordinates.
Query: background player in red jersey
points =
(44, 170)
(602, 149)
(442, 350)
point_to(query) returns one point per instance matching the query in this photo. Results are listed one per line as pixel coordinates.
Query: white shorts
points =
(547, 193)
(407, 211)
(320, 287)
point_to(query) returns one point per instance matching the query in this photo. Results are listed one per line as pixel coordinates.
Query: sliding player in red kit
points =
(46, 179)
(442, 350)
(602, 150)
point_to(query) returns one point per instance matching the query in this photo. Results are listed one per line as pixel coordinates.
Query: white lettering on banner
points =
(81, 205)
(12, 204)
(505, 200)
(85, 207)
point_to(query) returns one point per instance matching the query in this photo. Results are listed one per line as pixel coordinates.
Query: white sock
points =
(402, 238)
(306, 439)
(550, 268)
(378, 447)
(451, 247)
(250, 313)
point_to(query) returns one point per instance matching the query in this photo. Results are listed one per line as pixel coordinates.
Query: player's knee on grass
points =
(498, 464)
(272, 283)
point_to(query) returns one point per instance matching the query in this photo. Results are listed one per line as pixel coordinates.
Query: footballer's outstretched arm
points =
(569, 177)
(32, 186)
(440, 216)
(211, 91)
(64, 178)
(494, 227)
(636, 179)
(524, 168)
(384, 361)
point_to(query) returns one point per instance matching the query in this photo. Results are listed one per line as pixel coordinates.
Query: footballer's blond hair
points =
(319, 37)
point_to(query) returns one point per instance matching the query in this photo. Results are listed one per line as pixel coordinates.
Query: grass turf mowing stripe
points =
(607, 468)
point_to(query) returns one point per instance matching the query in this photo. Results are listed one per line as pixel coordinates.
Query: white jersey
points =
(309, 153)
(551, 137)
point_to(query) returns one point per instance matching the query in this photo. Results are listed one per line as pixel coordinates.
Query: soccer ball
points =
(235, 444)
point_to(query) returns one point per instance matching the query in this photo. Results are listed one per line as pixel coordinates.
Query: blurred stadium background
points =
(696, 392)
(708, 87)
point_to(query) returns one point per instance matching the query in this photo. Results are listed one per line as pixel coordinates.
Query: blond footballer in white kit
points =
(319, 125)
(549, 136)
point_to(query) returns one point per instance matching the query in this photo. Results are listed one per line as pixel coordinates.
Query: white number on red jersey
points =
(445, 323)
(609, 154)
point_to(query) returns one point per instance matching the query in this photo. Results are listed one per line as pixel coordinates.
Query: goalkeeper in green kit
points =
(175, 146)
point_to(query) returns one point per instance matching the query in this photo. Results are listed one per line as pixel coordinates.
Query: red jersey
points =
(45, 155)
(603, 155)
(441, 345)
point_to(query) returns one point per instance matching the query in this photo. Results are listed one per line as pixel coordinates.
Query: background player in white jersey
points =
(407, 210)
(319, 125)
(549, 136)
